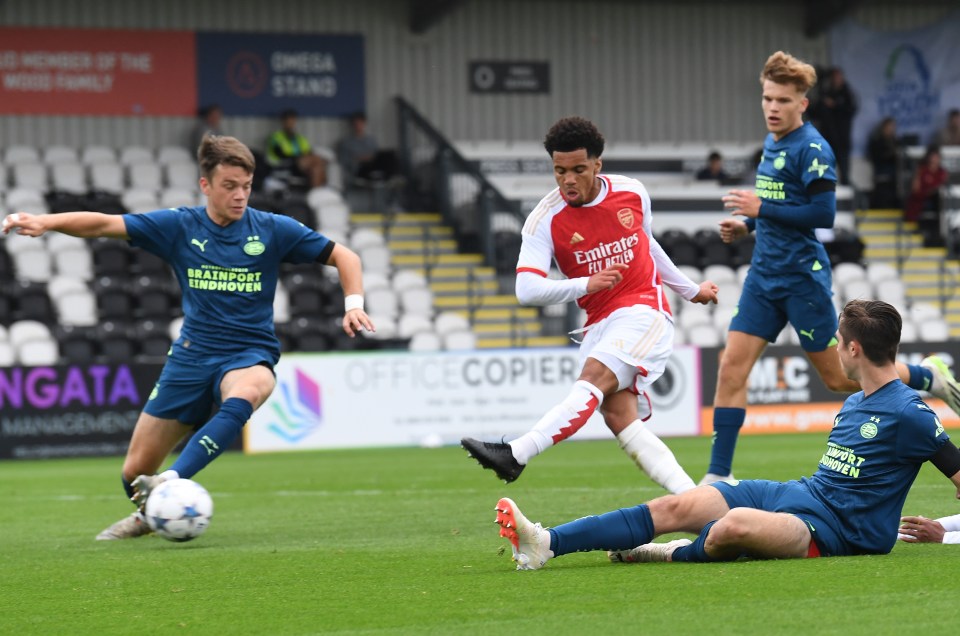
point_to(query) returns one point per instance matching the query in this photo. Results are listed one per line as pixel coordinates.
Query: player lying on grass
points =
(923, 530)
(851, 505)
(226, 257)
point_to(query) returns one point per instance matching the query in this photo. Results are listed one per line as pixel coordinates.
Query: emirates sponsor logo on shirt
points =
(606, 254)
(625, 216)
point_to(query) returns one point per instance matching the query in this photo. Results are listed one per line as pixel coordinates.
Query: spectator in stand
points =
(834, 111)
(367, 168)
(209, 120)
(883, 151)
(713, 171)
(924, 204)
(288, 150)
(357, 149)
(950, 135)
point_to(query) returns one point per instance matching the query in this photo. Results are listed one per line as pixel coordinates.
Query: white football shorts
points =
(633, 342)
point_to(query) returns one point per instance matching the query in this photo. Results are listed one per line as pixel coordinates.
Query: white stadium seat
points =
(702, 335)
(174, 154)
(145, 176)
(383, 302)
(184, 176)
(460, 341)
(36, 353)
(136, 154)
(934, 330)
(412, 324)
(20, 154)
(107, 178)
(77, 307)
(60, 154)
(30, 175)
(70, 178)
(449, 322)
(417, 300)
(91, 155)
(425, 341)
(365, 237)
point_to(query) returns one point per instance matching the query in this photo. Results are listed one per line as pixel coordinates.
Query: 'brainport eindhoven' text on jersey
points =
(787, 168)
(874, 453)
(228, 275)
(613, 228)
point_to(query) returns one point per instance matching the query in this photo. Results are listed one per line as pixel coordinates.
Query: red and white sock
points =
(654, 458)
(560, 422)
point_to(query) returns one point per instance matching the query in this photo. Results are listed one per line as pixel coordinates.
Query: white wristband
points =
(352, 301)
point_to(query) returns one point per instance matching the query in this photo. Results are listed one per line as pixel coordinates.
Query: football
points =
(179, 510)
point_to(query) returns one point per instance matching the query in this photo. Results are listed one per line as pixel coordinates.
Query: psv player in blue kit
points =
(851, 505)
(789, 280)
(226, 257)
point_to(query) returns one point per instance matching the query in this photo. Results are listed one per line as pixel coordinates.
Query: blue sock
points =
(920, 378)
(213, 438)
(127, 487)
(694, 553)
(726, 427)
(618, 530)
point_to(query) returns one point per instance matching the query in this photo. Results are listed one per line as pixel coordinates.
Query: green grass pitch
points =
(403, 541)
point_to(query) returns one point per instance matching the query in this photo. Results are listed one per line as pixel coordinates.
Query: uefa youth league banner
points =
(340, 400)
(97, 72)
(912, 76)
(262, 74)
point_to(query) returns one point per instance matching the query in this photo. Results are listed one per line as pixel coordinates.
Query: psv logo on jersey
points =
(625, 216)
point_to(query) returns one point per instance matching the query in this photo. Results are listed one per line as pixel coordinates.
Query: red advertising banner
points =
(97, 72)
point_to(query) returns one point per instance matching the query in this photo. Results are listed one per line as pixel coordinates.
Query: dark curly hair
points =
(573, 133)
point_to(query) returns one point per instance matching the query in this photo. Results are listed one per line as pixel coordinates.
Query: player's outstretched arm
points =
(538, 290)
(82, 224)
(355, 319)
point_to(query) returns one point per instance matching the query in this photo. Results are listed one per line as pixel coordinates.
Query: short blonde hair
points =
(783, 68)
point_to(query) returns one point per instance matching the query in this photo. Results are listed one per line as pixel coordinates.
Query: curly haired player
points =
(598, 230)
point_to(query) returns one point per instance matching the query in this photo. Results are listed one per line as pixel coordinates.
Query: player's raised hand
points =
(607, 278)
(743, 203)
(732, 229)
(355, 321)
(23, 223)
(707, 294)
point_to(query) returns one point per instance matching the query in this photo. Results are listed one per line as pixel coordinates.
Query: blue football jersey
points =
(874, 453)
(788, 166)
(228, 275)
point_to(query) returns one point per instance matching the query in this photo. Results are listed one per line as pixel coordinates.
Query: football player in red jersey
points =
(598, 230)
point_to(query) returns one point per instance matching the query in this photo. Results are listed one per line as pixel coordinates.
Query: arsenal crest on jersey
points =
(625, 216)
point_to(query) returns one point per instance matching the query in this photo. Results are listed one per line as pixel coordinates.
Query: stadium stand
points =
(405, 250)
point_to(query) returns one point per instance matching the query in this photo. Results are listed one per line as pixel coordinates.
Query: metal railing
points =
(439, 178)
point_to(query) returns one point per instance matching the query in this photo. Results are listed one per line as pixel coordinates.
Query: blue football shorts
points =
(189, 385)
(790, 497)
(765, 307)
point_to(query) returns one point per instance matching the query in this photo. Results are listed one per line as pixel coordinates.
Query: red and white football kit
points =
(613, 228)
(629, 328)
